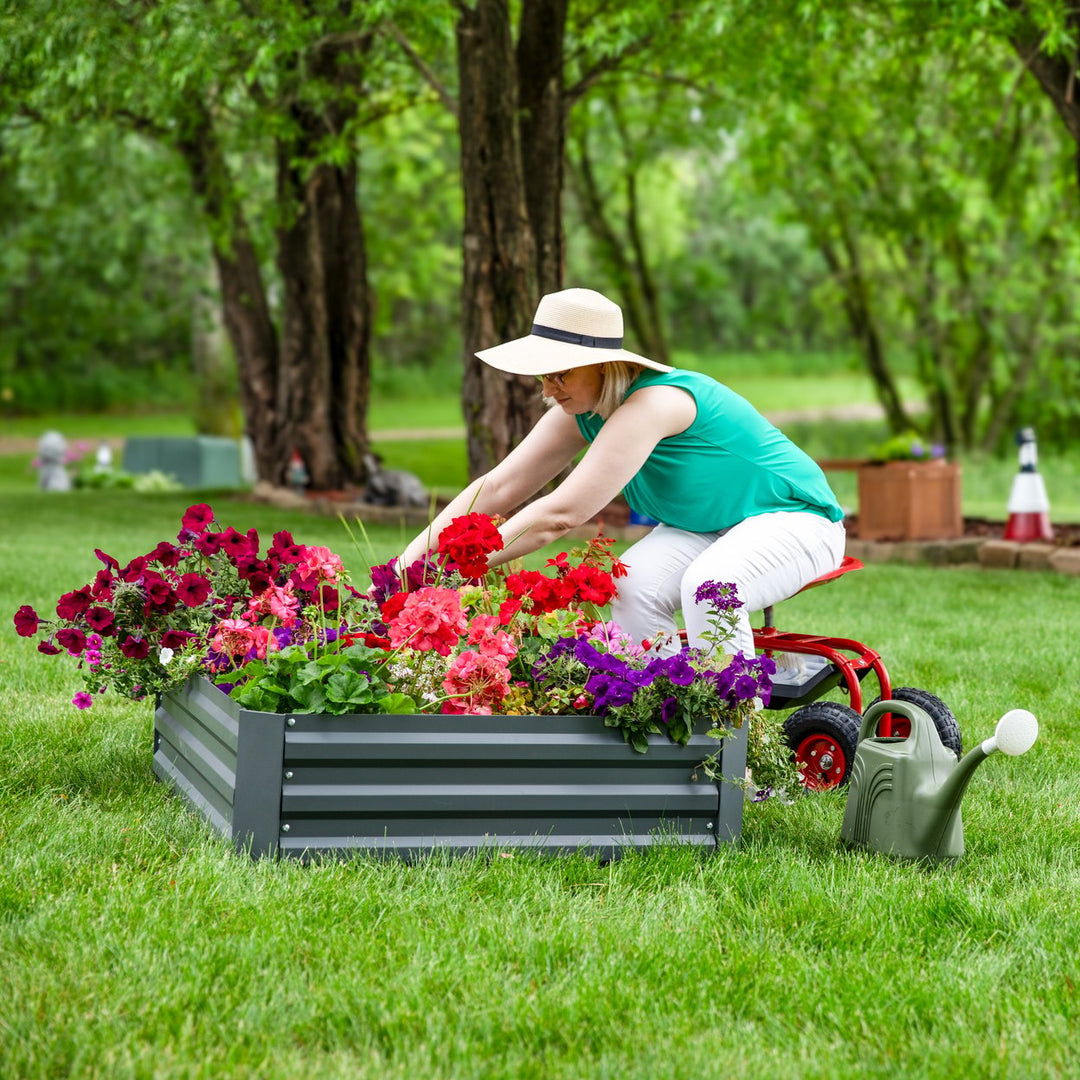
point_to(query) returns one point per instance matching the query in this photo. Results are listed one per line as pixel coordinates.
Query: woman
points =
(737, 501)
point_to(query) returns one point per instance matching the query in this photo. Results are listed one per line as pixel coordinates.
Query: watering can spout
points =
(1014, 735)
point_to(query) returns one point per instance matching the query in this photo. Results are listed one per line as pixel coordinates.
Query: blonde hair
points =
(618, 375)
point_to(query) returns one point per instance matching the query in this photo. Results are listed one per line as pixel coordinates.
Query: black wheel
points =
(947, 728)
(822, 737)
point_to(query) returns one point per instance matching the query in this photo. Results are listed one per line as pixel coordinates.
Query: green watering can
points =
(904, 795)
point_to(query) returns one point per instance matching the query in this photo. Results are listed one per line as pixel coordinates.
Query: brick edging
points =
(992, 554)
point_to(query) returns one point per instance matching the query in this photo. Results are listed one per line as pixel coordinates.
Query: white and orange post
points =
(1029, 507)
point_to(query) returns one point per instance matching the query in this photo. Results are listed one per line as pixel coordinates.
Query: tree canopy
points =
(360, 185)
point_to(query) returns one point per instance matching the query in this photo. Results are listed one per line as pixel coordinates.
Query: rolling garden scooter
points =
(823, 734)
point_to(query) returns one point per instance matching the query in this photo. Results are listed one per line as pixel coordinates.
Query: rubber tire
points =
(947, 728)
(819, 725)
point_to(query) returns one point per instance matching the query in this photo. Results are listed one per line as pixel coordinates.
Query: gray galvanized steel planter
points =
(305, 784)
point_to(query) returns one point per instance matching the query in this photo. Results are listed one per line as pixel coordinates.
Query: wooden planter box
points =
(910, 500)
(404, 785)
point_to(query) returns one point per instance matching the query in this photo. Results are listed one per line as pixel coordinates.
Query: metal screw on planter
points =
(904, 796)
(52, 476)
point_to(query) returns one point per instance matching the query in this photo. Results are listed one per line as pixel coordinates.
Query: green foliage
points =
(98, 271)
(907, 446)
(302, 679)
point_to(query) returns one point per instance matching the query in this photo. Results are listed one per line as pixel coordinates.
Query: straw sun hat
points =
(571, 329)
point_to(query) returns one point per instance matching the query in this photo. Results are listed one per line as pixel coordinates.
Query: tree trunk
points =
(243, 296)
(325, 365)
(324, 382)
(499, 278)
(623, 259)
(542, 131)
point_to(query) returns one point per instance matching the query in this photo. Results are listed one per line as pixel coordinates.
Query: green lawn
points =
(135, 944)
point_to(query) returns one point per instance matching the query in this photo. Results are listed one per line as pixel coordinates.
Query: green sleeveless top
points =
(728, 465)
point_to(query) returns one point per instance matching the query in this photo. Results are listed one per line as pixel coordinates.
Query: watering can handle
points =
(878, 709)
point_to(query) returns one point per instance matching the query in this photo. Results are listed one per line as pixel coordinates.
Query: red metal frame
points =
(768, 639)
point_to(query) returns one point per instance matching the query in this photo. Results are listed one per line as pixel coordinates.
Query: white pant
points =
(768, 558)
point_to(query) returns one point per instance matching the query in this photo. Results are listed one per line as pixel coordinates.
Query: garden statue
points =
(392, 487)
(904, 796)
(53, 474)
(103, 458)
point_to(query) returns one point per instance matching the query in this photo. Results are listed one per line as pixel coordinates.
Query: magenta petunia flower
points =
(198, 518)
(73, 604)
(26, 621)
(165, 553)
(134, 569)
(192, 590)
(82, 700)
(101, 589)
(72, 640)
(208, 543)
(135, 648)
(108, 560)
(235, 544)
(102, 620)
(159, 592)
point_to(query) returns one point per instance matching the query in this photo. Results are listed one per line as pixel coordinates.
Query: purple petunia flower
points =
(721, 596)
(82, 700)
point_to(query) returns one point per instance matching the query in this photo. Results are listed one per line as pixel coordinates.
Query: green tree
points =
(263, 106)
(932, 198)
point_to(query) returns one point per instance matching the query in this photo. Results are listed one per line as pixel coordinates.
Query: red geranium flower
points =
(593, 585)
(467, 541)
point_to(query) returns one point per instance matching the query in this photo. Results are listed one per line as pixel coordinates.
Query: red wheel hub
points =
(824, 762)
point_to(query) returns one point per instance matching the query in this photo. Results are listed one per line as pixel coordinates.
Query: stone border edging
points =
(992, 554)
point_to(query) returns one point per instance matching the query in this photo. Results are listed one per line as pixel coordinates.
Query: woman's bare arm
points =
(534, 462)
(624, 443)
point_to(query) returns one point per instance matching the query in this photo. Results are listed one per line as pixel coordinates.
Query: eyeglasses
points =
(558, 378)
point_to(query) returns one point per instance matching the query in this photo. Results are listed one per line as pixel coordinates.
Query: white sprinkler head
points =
(1015, 734)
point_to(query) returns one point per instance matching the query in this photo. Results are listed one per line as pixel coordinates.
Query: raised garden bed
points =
(406, 785)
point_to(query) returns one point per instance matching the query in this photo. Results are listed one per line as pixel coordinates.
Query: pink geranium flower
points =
(232, 637)
(429, 619)
(479, 683)
(278, 601)
(489, 640)
(318, 565)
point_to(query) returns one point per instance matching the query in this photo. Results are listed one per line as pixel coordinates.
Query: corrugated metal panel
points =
(407, 784)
